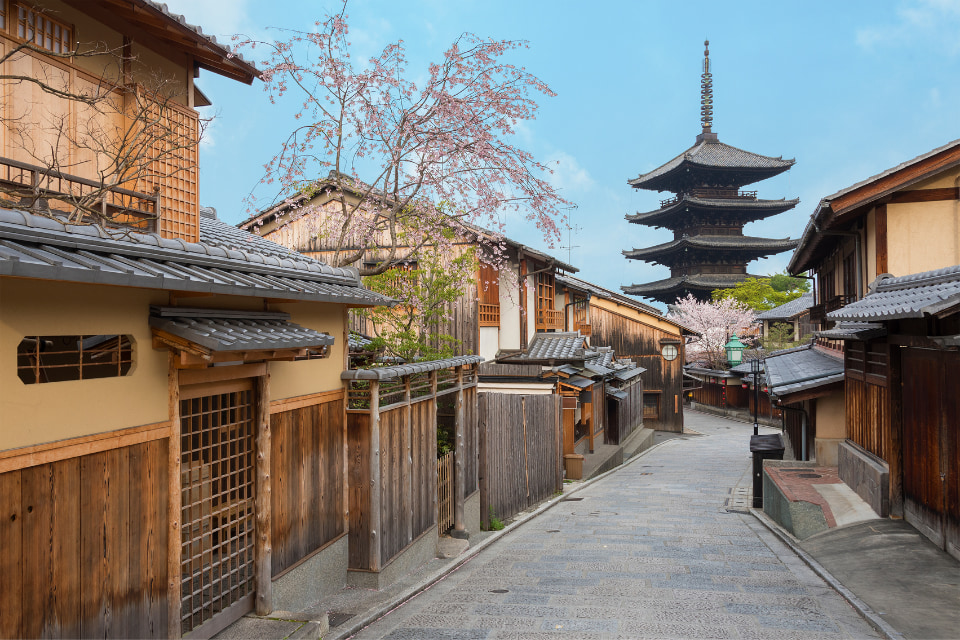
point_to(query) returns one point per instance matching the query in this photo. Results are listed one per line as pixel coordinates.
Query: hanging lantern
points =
(734, 349)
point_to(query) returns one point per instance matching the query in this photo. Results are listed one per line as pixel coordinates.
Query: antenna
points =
(571, 229)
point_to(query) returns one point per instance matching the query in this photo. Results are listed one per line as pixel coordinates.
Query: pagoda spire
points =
(706, 90)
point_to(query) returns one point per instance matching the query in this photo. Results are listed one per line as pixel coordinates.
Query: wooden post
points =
(263, 501)
(586, 413)
(482, 459)
(569, 424)
(895, 387)
(175, 509)
(375, 514)
(459, 495)
(407, 464)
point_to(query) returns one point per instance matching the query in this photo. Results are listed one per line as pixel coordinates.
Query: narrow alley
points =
(657, 549)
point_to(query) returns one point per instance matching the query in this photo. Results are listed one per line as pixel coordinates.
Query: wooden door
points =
(931, 460)
(218, 488)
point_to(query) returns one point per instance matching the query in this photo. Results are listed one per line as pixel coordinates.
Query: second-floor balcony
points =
(818, 312)
(548, 319)
(47, 191)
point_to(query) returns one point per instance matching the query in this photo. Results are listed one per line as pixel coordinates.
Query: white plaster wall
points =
(509, 337)
(489, 341)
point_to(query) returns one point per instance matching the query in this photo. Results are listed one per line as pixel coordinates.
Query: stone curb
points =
(375, 614)
(868, 614)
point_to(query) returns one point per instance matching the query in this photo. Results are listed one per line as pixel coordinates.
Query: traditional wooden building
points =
(862, 244)
(902, 452)
(172, 426)
(638, 332)
(795, 313)
(501, 309)
(707, 213)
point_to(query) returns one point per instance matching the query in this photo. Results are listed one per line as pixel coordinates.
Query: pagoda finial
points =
(706, 90)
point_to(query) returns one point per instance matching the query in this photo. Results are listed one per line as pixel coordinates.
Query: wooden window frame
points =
(55, 36)
(488, 295)
(32, 351)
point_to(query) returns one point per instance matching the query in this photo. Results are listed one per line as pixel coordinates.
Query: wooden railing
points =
(45, 189)
(445, 500)
(489, 315)
(549, 319)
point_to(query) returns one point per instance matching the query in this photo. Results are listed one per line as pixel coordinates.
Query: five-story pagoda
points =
(707, 214)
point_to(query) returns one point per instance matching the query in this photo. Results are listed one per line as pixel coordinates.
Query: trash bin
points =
(573, 464)
(767, 447)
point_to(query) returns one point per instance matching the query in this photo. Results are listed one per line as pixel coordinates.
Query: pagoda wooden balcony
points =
(818, 312)
(548, 319)
(46, 190)
(713, 193)
(489, 315)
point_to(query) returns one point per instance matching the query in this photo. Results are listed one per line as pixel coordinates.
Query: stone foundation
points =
(320, 575)
(866, 474)
(418, 553)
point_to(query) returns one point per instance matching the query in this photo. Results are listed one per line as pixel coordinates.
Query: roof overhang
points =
(201, 337)
(401, 370)
(149, 23)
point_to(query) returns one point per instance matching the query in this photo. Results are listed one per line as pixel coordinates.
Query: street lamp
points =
(734, 349)
(755, 372)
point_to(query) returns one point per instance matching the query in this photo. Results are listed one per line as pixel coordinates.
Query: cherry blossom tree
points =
(381, 161)
(715, 321)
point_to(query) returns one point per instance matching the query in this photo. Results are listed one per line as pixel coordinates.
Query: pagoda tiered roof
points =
(668, 290)
(746, 248)
(678, 213)
(711, 162)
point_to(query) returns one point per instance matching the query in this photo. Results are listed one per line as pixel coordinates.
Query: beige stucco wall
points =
(922, 236)
(831, 428)
(292, 379)
(37, 413)
(509, 309)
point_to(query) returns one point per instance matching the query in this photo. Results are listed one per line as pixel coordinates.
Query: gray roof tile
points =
(912, 296)
(556, 346)
(801, 368)
(220, 330)
(746, 210)
(400, 370)
(40, 247)
(726, 243)
(853, 331)
(788, 310)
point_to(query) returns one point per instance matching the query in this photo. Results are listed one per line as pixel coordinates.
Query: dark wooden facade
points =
(519, 452)
(625, 416)
(633, 339)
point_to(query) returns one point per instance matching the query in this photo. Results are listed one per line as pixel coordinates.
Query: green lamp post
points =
(734, 349)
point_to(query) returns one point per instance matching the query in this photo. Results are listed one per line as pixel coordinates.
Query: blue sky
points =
(847, 88)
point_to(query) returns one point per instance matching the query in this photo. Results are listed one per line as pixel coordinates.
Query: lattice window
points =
(42, 31)
(651, 406)
(43, 359)
(545, 288)
(218, 481)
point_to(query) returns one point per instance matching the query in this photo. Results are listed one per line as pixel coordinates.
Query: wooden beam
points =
(174, 488)
(896, 435)
(459, 478)
(375, 480)
(263, 558)
(925, 195)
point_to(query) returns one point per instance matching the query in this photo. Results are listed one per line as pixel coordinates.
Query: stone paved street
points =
(650, 551)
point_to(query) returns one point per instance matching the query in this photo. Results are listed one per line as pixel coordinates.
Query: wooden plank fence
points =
(520, 460)
(445, 492)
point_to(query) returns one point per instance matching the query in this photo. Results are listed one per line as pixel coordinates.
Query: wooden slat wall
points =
(471, 437)
(519, 452)
(629, 414)
(408, 468)
(308, 476)
(358, 456)
(709, 394)
(84, 546)
(868, 416)
(640, 342)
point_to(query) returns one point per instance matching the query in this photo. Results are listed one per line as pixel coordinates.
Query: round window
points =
(669, 352)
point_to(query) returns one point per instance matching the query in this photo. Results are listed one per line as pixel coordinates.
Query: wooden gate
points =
(445, 497)
(218, 489)
(931, 455)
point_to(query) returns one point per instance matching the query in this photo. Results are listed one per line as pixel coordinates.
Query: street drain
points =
(572, 499)
(337, 618)
(809, 475)
(737, 510)
(647, 473)
(553, 530)
(499, 591)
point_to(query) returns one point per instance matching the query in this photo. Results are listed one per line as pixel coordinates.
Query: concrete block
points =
(802, 519)
(471, 513)
(866, 474)
(417, 554)
(323, 574)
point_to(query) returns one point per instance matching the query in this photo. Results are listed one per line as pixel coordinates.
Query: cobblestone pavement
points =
(650, 551)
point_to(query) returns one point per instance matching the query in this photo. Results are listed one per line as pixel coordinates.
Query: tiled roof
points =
(800, 369)
(33, 246)
(913, 296)
(853, 331)
(745, 210)
(556, 346)
(358, 341)
(578, 381)
(750, 244)
(600, 292)
(697, 281)
(220, 330)
(788, 310)
(400, 370)
(711, 154)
